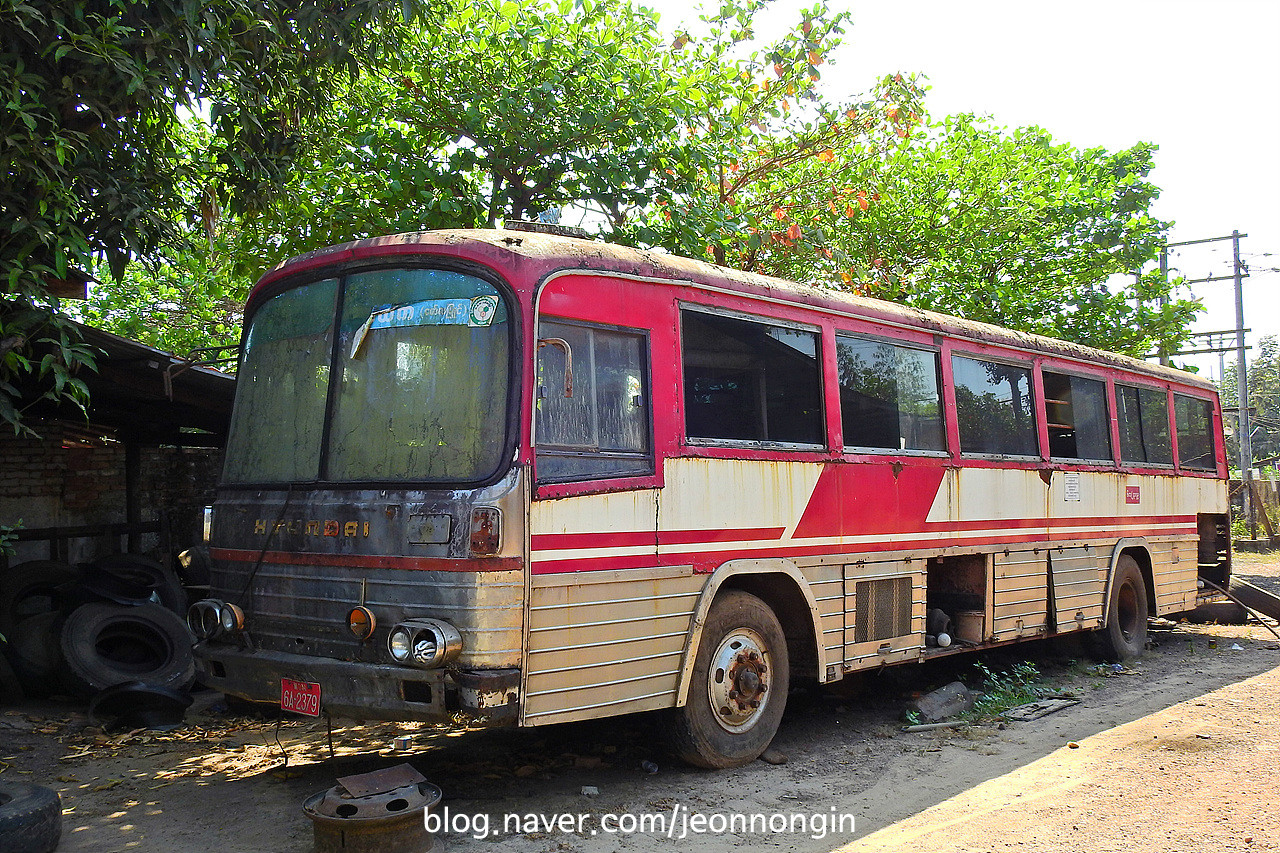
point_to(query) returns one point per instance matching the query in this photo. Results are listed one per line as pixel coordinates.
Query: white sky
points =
(1199, 79)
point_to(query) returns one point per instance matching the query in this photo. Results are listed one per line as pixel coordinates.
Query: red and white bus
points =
(535, 479)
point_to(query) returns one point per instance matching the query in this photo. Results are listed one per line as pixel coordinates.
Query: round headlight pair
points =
(210, 617)
(424, 643)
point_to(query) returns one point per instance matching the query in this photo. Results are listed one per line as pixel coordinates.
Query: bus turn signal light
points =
(360, 622)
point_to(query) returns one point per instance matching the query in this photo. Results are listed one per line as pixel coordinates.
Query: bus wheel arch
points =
(753, 623)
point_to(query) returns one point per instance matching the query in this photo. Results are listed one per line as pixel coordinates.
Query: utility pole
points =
(1242, 383)
(1243, 426)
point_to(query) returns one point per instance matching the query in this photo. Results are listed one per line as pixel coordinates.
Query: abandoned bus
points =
(533, 479)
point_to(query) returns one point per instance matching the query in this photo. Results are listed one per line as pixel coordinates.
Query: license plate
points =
(300, 697)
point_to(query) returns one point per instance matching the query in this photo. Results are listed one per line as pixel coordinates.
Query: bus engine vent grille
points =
(884, 609)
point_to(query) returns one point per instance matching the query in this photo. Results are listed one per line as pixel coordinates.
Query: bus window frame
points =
(1138, 467)
(632, 477)
(983, 354)
(1216, 435)
(343, 268)
(1070, 369)
(934, 347)
(825, 449)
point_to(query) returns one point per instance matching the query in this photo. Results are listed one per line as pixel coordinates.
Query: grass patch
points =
(1002, 690)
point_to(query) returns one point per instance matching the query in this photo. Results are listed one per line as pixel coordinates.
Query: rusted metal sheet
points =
(381, 781)
(1078, 587)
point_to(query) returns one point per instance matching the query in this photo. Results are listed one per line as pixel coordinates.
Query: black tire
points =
(1124, 637)
(30, 818)
(144, 570)
(35, 655)
(32, 588)
(107, 644)
(741, 660)
(11, 689)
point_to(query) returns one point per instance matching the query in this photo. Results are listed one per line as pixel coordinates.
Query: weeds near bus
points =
(1004, 690)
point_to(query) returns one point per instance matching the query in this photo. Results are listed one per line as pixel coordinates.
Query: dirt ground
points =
(1174, 752)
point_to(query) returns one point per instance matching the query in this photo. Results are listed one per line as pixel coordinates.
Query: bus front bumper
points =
(364, 691)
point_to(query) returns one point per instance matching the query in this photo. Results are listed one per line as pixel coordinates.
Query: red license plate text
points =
(301, 697)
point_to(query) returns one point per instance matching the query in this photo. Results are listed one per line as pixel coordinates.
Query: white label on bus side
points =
(1071, 486)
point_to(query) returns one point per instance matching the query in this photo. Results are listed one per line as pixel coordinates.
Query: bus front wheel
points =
(739, 686)
(1125, 634)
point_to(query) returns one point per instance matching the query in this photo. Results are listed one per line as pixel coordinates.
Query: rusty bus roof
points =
(542, 254)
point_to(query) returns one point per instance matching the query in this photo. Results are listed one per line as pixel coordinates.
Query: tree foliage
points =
(1005, 227)
(92, 169)
(716, 143)
(1264, 403)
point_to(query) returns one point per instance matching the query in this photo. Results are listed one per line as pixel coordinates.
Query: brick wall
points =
(62, 479)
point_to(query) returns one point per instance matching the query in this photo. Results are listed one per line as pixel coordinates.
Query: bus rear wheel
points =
(739, 686)
(1125, 635)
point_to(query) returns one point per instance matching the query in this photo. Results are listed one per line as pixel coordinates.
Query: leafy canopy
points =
(1005, 227)
(94, 91)
(717, 144)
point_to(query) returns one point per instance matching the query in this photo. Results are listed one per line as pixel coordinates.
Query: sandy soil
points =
(1176, 752)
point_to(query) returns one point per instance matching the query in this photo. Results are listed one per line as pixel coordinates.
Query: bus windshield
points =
(420, 363)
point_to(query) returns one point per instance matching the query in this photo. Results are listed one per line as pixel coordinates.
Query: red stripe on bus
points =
(1106, 522)
(849, 500)
(370, 561)
(701, 562)
(593, 564)
(643, 538)
(601, 539)
(731, 534)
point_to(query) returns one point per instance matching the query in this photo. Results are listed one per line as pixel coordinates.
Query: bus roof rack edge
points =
(546, 228)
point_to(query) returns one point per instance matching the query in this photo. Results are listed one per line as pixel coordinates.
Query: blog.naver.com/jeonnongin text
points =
(678, 823)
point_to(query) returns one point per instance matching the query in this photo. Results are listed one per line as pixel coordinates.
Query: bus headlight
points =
(231, 618)
(210, 617)
(424, 643)
(400, 643)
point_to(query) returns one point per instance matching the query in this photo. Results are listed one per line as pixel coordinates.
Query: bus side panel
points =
(606, 642)
(607, 625)
(1020, 595)
(892, 598)
(827, 583)
(1079, 583)
(1174, 571)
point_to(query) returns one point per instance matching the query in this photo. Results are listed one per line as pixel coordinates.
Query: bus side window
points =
(592, 422)
(993, 407)
(1076, 408)
(1194, 419)
(1144, 425)
(888, 396)
(749, 380)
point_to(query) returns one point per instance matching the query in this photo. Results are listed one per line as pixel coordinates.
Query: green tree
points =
(1264, 401)
(758, 137)
(94, 91)
(1005, 227)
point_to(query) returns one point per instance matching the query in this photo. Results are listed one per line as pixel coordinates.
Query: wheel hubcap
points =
(738, 681)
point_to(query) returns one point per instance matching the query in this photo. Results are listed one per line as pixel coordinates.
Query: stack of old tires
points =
(109, 625)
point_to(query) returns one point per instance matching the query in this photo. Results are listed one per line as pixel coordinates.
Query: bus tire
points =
(106, 644)
(1125, 635)
(738, 690)
(28, 589)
